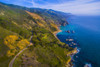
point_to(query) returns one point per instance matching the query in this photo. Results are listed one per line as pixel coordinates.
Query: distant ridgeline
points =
(18, 24)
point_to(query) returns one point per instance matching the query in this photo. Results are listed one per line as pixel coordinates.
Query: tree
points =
(10, 41)
(23, 43)
(11, 52)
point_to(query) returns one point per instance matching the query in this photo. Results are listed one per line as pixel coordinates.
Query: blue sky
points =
(77, 7)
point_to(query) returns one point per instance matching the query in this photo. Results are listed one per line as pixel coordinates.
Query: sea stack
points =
(69, 39)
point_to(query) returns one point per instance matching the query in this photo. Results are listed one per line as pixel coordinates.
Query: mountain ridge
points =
(18, 24)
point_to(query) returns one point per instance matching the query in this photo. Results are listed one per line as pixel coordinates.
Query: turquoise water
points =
(86, 37)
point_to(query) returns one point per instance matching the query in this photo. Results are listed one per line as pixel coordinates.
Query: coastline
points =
(75, 51)
(55, 33)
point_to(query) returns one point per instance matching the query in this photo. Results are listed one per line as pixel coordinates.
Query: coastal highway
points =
(12, 61)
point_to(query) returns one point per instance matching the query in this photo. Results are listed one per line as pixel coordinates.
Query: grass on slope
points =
(40, 56)
(48, 23)
(4, 60)
(12, 27)
(46, 52)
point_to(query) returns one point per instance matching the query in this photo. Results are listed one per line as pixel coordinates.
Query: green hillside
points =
(18, 24)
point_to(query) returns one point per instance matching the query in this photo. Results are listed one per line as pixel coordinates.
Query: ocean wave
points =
(78, 50)
(88, 65)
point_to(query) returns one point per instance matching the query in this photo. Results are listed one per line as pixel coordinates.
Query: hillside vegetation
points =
(18, 24)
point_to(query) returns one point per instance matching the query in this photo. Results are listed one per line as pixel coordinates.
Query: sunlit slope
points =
(18, 24)
(50, 25)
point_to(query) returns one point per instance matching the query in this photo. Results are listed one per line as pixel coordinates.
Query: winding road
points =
(12, 61)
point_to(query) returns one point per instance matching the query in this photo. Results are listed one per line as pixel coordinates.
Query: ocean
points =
(86, 38)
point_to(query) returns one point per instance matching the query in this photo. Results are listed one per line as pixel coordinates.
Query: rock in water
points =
(87, 65)
(68, 31)
(73, 31)
(69, 39)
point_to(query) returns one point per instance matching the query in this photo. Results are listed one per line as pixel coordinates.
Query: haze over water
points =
(87, 37)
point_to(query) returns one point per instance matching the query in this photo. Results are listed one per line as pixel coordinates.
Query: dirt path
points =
(12, 61)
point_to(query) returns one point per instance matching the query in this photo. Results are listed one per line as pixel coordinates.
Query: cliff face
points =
(18, 23)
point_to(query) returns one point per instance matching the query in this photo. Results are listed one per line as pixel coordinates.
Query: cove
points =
(86, 37)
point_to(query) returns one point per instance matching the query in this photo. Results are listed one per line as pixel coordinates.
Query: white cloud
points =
(82, 7)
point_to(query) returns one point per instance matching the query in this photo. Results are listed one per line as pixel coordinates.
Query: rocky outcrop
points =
(65, 23)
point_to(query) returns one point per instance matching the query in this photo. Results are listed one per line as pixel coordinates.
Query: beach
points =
(55, 33)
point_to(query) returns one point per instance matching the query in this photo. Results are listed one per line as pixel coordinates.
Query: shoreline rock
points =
(71, 54)
(68, 31)
(75, 51)
(69, 39)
